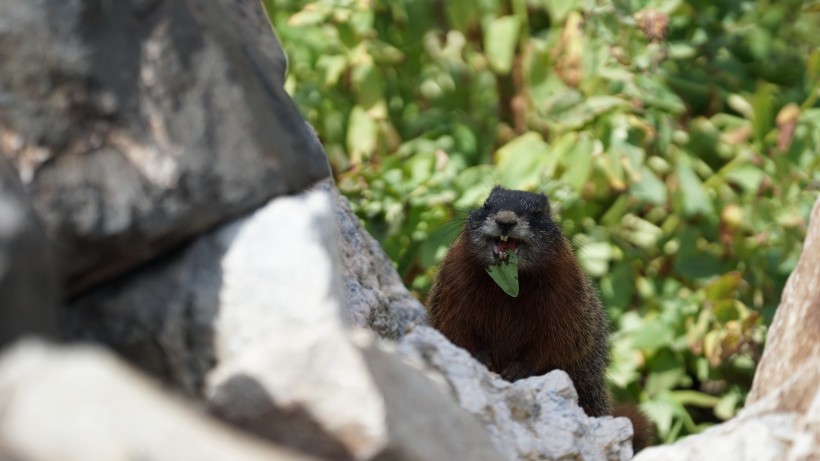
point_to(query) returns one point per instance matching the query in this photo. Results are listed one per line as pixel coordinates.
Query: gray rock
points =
(423, 420)
(28, 279)
(376, 297)
(80, 403)
(136, 125)
(249, 319)
(533, 418)
(284, 366)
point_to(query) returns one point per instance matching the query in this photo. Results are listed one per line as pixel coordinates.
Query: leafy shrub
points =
(677, 139)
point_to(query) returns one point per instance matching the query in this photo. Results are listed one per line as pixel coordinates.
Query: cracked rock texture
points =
(249, 320)
(533, 418)
(138, 124)
(28, 278)
(376, 297)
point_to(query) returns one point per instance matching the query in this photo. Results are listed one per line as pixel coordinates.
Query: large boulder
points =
(137, 125)
(82, 404)
(250, 319)
(28, 279)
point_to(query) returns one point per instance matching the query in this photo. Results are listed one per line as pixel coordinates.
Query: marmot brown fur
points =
(557, 320)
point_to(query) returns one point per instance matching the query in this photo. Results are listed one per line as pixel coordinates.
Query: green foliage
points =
(678, 140)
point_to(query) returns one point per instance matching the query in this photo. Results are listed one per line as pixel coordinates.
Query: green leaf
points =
(578, 160)
(698, 399)
(726, 310)
(505, 274)
(369, 86)
(361, 135)
(333, 67)
(652, 335)
(523, 161)
(747, 177)
(690, 261)
(727, 405)
(692, 193)
(308, 17)
(500, 41)
(763, 106)
(576, 115)
(559, 9)
(812, 7)
(723, 287)
(618, 286)
(649, 188)
(594, 258)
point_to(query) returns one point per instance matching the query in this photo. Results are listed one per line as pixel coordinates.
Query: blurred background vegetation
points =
(678, 141)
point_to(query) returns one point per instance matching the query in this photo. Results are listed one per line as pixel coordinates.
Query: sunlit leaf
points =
(361, 135)
(523, 161)
(649, 188)
(692, 193)
(698, 399)
(500, 42)
(578, 161)
(594, 257)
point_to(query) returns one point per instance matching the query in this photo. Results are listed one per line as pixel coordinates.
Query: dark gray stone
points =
(28, 280)
(136, 125)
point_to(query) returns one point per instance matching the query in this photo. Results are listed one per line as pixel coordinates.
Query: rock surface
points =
(794, 336)
(376, 297)
(533, 418)
(80, 403)
(284, 366)
(136, 125)
(249, 319)
(28, 279)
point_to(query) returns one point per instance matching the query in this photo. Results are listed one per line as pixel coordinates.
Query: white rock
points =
(533, 418)
(82, 404)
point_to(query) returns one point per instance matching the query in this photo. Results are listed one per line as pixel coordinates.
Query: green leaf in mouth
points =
(505, 273)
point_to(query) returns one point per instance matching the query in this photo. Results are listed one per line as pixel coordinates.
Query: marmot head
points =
(514, 220)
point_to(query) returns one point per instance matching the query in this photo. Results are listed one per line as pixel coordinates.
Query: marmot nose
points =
(506, 221)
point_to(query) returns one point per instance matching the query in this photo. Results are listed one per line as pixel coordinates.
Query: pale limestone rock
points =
(249, 318)
(533, 418)
(82, 404)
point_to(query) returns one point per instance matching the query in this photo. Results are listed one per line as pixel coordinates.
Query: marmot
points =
(556, 321)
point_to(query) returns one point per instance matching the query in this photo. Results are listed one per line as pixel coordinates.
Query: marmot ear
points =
(546, 205)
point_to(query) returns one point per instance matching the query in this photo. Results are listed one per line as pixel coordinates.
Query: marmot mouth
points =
(502, 244)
